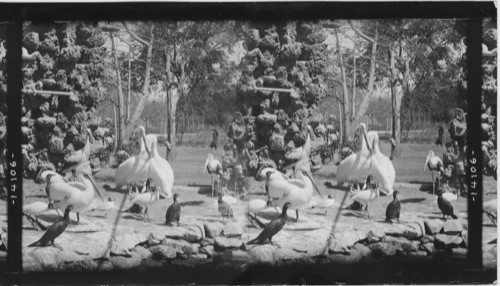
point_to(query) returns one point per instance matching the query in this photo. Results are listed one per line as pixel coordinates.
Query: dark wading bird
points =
(445, 206)
(224, 208)
(56, 229)
(393, 209)
(272, 228)
(173, 212)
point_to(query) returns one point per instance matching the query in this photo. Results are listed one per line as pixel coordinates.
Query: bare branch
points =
(134, 36)
(361, 34)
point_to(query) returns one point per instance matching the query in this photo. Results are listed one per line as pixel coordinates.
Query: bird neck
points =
(283, 212)
(66, 214)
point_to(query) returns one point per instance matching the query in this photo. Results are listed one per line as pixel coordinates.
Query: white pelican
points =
(380, 165)
(34, 209)
(105, 206)
(136, 168)
(80, 156)
(144, 200)
(256, 205)
(274, 174)
(365, 197)
(434, 163)
(298, 192)
(357, 165)
(78, 194)
(212, 166)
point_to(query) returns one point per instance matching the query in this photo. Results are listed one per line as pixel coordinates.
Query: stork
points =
(434, 163)
(159, 169)
(365, 197)
(212, 166)
(144, 199)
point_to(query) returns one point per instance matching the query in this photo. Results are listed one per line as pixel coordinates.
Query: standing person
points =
(458, 128)
(215, 139)
(439, 140)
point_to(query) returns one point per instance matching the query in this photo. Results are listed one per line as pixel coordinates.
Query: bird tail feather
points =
(253, 241)
(454, 216)
(34, 243)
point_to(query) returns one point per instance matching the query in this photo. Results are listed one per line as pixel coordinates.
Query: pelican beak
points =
(309, 175)
(365, 135)
(427, 160)
(96, 187)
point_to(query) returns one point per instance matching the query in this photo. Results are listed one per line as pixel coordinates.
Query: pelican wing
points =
(209, 158)
(429, 156)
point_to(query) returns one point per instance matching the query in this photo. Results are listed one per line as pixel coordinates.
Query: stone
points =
(120, 262)
(198, 256)
(128, 240)
(207, 241)
(194, 233)
(208, 250)
(427, 238)
(337, 247)
(175, 232)
(401, 243)
(105, 265)
(87, 265)
(156, 238)
(415, 245)
(428, 247)
(418, 254)
(232, 230)
(347, 238)
(162, 252)
(414, 230)
(446, 240)
(119, 250)
(143, 252)
(240, 256)
(459, 253)
(181, 246)
(433, 226)
(286, 254)
(452, 226)
(361, 250)
(381, 249)
(262, 254)
(65, 256)
(222, 243)
(46, 257)
(213, 229)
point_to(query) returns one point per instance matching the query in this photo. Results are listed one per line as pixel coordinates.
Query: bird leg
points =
(212, 184)
(366, 210)
(433, 183)
(297, 213)
(77, 218)
(146, 214)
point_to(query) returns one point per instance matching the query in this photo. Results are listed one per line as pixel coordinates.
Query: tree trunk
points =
(121, 118)
(341, 129)
(129, 91)
(345, 113)
(145, 88)
(353, 98)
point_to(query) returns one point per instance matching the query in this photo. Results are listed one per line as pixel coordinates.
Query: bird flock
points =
(292, 189)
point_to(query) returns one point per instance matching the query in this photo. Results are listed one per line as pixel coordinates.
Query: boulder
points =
(213, 229)
(194, 233)
(426, 239)
(86, 265)
(208, 250)
(181, 246)
(342, 241)
(222, 243)
(46, 257)
(163, 252)
(66, 255)
(418, 254)
(402, 244)
(120, 262)
(286, 254)
(240, 256)
(143, 252)
(232, 230)
(452, 226)
(262, 254)
(381, 249)
(433, 226)
(428, 247)
(446, 241)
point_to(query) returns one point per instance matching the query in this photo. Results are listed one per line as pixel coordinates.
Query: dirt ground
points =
(415, 197)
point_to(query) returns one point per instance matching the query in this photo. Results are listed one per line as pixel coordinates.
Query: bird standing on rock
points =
(224, 208)
(434, 163)
(173, 212)
(393, 209)
(445, 206)
(54, 230)
(272, 228)
(213, 166)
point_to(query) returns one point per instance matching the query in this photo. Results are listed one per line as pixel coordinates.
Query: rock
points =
(87, 265)
(128, 240)
(143, 252)
(401, 243)
(198, 256)
(46, 257)
(459, 253)
(194, 233)
(286, 254)
(181, 246)
(361, 249)
(414, 230)
(433, 226)
(446, 240)
(207, 241)
(222, 243)
(208, 250)
(120, 262)
(267, 119)
(381, 249)
(104, 265)
(452, 226)
(162, 252)
(415, 245)
(65, 256)
(119, 250)
(418, 254)
(232, 230)
(427, 238)
(240, 256)
(156, 238)
(262, 254)
(342, 241)
(46, 122)
(175, 232)
(428, 247)
(213, 229)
